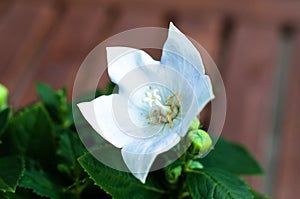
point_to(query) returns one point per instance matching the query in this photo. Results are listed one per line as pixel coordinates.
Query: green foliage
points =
(4, 117)
(69, 149)
(218, 184)
(39, 181)
(118, 184)
(11, 169)
(31, 133)
(258, 195)
(233, 158)
(42, 156)
(56, 104)
(174, 171)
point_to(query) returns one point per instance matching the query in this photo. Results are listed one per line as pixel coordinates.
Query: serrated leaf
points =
(217, 184)
(119, 184)
(20, 194)
(7, 195)
(11, 169)
(39, 181)
(69, 149)
(31, 133)
(4, 117)
(232, 157)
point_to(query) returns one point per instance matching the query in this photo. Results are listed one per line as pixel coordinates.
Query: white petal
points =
(140, 155)
(122, 60)
(180, 54)
(99, 114)
(193, 102)
(204, 91)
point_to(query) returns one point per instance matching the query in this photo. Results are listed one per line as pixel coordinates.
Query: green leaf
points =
(47, 95)
(69, 149)
(39, 181)
(119, 184)
(217, 184)
(109, 89)
(56, 104)
(11, 169)
(233, 158)
(7, 195)
(257, 195)
(193, 165)
(4, 117)
(19, 194)
(31, 133)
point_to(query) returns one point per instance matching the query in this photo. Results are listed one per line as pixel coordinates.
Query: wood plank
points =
(131, 16)
(139, 16)
(5, 6)
(274, 12)
(22, 30)
(77, 34)
(249, 81)
(204, 27)
(288, 179)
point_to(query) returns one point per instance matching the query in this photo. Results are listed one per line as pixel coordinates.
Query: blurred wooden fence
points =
(256, 45)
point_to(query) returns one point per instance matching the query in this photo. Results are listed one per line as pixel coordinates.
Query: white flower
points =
(156, 101)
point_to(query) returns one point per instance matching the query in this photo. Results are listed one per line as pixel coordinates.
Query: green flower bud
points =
(3, 97)
(193, 165)
(173, 173)
(194, 125)
(201, 140)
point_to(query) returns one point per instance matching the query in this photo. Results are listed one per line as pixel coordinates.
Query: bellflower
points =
(156, 101)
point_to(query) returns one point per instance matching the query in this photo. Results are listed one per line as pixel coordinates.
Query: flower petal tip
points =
(87, 110)
(141, 177)
(173, 27)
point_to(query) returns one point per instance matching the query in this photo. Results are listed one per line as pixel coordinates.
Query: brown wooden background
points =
(256, 44)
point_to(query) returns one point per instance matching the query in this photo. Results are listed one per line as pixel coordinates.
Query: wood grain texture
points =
(22, 31)
(288, 178)
(249, 81)
(78, 32)
(262, 11)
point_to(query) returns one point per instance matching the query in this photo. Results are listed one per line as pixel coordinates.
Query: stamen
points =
(165, 113)
(170, 120)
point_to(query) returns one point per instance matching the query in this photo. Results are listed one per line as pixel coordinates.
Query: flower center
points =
(162, 112)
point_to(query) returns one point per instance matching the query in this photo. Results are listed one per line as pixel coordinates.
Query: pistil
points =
(165, 113)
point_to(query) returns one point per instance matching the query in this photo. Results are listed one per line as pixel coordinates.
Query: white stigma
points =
(162, 113)
(153, 97)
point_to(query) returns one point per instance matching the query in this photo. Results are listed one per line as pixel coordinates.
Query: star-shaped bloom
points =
(156, 101)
